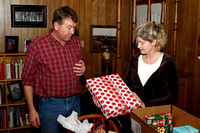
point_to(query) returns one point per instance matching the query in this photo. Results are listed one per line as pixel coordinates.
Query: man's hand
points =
(79, 68)
(34, 118)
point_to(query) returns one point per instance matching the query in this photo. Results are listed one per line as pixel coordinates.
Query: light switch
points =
(82, 44)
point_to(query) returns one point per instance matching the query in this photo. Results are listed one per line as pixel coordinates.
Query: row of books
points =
(3, 123)
(14, 117)
(14, 70)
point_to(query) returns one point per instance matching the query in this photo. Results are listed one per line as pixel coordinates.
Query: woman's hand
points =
(138, 98)
(95, 102)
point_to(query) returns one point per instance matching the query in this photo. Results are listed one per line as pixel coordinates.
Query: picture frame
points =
(27, 119)
(28, 16)
(26, 42)
(102, 37)
(11, 44)
(15, 91)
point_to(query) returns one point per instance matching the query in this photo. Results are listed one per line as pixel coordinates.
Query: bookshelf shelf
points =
(10, 80)
(12, 54)
(24, 127)
(1, 130)
(13, 109)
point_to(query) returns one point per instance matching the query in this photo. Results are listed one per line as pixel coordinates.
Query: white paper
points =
(72, 123)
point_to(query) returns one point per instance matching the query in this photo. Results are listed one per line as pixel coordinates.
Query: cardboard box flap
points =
(141, 112)
(182, 118)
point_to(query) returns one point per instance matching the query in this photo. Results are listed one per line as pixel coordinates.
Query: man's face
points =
(66, 30)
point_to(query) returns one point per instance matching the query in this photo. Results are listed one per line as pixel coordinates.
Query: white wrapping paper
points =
(73, 124)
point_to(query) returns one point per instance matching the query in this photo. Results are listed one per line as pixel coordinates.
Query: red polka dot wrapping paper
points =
(113, 95)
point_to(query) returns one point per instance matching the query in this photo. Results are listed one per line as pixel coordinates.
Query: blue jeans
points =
(50, 108)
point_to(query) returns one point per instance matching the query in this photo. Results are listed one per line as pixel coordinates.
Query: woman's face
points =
(145, 47)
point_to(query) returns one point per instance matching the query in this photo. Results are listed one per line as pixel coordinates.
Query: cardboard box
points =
(181, 118)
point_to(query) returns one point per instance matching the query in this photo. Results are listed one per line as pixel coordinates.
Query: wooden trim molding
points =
(118, 60)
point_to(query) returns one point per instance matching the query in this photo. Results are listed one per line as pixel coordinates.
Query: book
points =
(0, 95)
(20, 117)
(16, 117)
(4, 113)
(2, 86)
(12, 70)
(10, 117)
(8, 71)
(16, 70)
(1, 71)
(0, 120)
(20, 68)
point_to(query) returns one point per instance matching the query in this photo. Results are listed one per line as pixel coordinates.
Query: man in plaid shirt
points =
(52, 70)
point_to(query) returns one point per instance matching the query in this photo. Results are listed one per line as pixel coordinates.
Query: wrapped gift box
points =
(112, 94)
(185, 129)
(164, 120)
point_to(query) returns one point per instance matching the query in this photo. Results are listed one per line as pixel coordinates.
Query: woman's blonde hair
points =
(149, 31)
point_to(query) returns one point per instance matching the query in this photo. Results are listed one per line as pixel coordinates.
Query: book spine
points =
(12, 70)
(8, 71)
(20, 118)
(11, 118)
(16, 70)
(1, 118)
(5, 125)
(0, 95)
(20, 68)
(16, 119)
(1, 71)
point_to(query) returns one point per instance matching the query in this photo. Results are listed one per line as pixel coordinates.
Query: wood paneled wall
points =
(186, 51)
(188, 31)
(90, 12)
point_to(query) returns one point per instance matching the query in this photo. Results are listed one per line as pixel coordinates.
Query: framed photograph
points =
(26, 42)
(103, 37)
(27, 119)
(28, 16)
(15, 91)
(11, 44)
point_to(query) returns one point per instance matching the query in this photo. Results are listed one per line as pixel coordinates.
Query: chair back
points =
(99, 121)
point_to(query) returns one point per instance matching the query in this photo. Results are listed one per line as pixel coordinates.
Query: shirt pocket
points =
(53, 65)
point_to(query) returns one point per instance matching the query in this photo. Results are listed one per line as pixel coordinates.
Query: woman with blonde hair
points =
(152, 74)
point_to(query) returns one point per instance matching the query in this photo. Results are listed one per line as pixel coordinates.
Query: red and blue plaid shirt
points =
(49, 66)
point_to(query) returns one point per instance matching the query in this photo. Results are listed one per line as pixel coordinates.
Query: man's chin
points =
(68, 39)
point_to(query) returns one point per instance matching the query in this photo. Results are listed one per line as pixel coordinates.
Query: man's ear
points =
(56, 25)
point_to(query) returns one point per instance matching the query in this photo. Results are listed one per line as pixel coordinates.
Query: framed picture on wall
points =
(26, 42)
(11, 44)
(101, 37)
(28, 16)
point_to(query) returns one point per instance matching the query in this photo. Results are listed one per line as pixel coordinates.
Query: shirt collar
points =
(54, 40)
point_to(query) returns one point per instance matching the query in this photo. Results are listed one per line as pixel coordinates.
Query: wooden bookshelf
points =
(9, 105)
